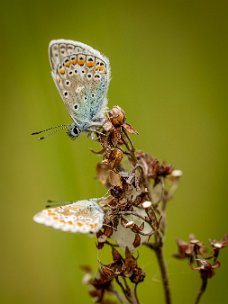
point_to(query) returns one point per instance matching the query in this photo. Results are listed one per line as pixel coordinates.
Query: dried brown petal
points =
(137, 241)
(185, 249)
(102, 173)
(130, 129)
(115, 137)
(115, 158)
(116, 255)
(114, 179)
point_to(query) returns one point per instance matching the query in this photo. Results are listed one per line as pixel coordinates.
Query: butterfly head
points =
(74, 131)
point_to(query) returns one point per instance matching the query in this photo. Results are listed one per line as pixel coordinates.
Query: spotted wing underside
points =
(82, 76)
(82, 216)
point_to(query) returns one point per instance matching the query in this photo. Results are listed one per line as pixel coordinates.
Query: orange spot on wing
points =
(51, 213)
(74, 61)
(101, 68)
(79, 224)
(67, 64)
(92, 226)
(62, 221)
(81, 62)
(70, 223)
(62, 71)
(90, 64)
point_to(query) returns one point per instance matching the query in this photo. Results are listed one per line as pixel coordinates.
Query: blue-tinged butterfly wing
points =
(82, 77)
(82, 216)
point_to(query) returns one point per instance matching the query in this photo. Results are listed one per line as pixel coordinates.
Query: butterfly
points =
(81, 75)
(84, 216)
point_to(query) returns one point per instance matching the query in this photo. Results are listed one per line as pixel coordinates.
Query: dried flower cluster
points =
(139, 188)
(124, 268)
(201, 259)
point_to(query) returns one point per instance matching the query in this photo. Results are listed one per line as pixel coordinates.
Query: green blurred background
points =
(169, 68)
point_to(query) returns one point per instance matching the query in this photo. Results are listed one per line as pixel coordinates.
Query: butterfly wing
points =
(82, 216)
(82, 77)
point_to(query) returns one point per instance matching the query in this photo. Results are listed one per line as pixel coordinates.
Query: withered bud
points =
(108, 231)
(106, 272)
(177, 173)
(137, 276)
(185, 249)
(117, 116)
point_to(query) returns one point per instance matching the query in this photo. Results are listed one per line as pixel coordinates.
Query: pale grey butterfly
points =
(82, 76)
(84, 216)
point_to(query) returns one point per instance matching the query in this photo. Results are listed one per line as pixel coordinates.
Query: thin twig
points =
(164, 275)
(135, 293)
(158, 249)
(202, 288)
(117, 295)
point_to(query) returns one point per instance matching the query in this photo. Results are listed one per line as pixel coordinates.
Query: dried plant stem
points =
(164, 275)
(116, 294)
(158, 246)
(202, 288)
(130, 296)
(158, 249)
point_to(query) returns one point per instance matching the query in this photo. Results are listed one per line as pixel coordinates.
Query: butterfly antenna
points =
(54, 204)
(55, 130)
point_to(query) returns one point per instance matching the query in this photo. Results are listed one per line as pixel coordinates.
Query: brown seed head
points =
(117, 116)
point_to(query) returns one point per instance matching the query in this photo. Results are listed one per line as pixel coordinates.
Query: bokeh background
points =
(169, 73)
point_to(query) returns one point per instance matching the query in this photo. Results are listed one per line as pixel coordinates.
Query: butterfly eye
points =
(75, 131)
